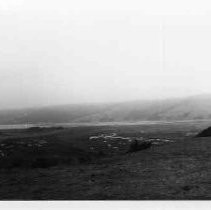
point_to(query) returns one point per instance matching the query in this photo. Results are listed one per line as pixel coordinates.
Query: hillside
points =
(66, 164)
(191, 108)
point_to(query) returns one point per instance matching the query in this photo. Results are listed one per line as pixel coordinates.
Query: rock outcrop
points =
(205, 133)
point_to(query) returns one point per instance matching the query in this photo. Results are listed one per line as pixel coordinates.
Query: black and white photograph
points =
(105, 101)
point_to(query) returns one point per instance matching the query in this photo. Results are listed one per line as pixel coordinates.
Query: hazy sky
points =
(63, 51)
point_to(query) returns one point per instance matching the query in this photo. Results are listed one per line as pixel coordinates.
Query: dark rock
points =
(139, 145)
(186, 188)
(205, 133)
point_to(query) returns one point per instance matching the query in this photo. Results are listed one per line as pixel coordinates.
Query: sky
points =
(78, 51)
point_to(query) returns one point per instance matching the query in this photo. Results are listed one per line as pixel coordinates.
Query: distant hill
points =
(191, 108)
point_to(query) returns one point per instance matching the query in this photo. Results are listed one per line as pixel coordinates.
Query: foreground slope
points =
(177, 170)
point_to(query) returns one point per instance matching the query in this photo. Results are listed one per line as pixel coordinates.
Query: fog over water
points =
(63, 52)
